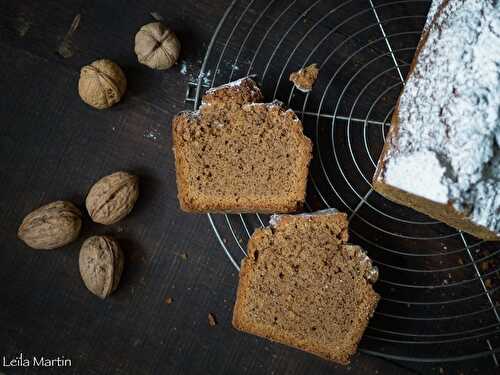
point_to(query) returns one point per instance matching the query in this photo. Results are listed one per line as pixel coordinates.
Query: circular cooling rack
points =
(439, 287)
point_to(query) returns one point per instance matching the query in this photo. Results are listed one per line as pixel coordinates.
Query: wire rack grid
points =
(439, 287)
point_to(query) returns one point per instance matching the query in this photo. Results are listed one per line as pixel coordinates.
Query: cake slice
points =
(236, 154)
(442, 152)
(303, 285)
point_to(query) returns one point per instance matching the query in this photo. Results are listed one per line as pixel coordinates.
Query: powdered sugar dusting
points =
(238, 82)
(303, 89)
(151, 134)
(295, 118)
(275, 219)
(449, 114)
(274, 103)
(433, 9)
(255, 91)
(406, 173)
(370, 270)
(184, 68)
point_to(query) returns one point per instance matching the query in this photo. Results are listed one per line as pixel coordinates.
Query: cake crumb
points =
(183, 256)
(65, 48)
(304, 78)
(212, 321)
(487, 283)
(151, 134)
(156, 16)
(184, 69)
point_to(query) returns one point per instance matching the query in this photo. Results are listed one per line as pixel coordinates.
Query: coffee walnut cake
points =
(442, 153)
(303, 285)
(236, 154)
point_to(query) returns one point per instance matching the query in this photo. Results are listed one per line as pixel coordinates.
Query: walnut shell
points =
(157, 46)
(53, 225)
(102, 84)
(112, 197)
(101, 265)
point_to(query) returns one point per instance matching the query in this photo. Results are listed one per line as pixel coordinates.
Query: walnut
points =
(112, 197)
(157, 46)
(53, 225)
(101, 265)
(102, 84)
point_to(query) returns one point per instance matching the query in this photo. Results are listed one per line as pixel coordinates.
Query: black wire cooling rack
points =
(439, 287)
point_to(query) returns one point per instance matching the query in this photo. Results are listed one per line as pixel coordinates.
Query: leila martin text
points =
(35, 361)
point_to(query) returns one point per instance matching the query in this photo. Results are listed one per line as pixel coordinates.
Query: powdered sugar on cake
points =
(255, 91)
(274, 103)
(448, 146)
(406, 171)
(371, 272)
(433, 9)
(275, 219)
(238, 82)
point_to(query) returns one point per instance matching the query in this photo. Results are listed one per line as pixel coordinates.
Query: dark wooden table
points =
(53, 146)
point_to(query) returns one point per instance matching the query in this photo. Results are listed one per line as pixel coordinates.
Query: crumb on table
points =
(212, 321)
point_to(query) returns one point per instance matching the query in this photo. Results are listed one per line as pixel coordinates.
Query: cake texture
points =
(303, 285)
(304, 78)
(442, 152)
(236, 154)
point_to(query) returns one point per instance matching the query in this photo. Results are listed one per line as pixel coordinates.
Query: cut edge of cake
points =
(245, 94)
(243, 293)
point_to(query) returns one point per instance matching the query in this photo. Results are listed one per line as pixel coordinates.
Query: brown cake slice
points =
(239, 155)
(303, 285)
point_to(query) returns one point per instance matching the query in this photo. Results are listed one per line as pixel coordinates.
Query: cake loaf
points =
(237, 154)
(303, 285)
(442, 152)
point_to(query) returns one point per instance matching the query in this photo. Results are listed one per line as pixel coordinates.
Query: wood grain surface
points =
(53, 146)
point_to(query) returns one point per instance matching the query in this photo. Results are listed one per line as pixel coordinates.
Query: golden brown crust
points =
(179, 163)
(344, 359)
(443, 212)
